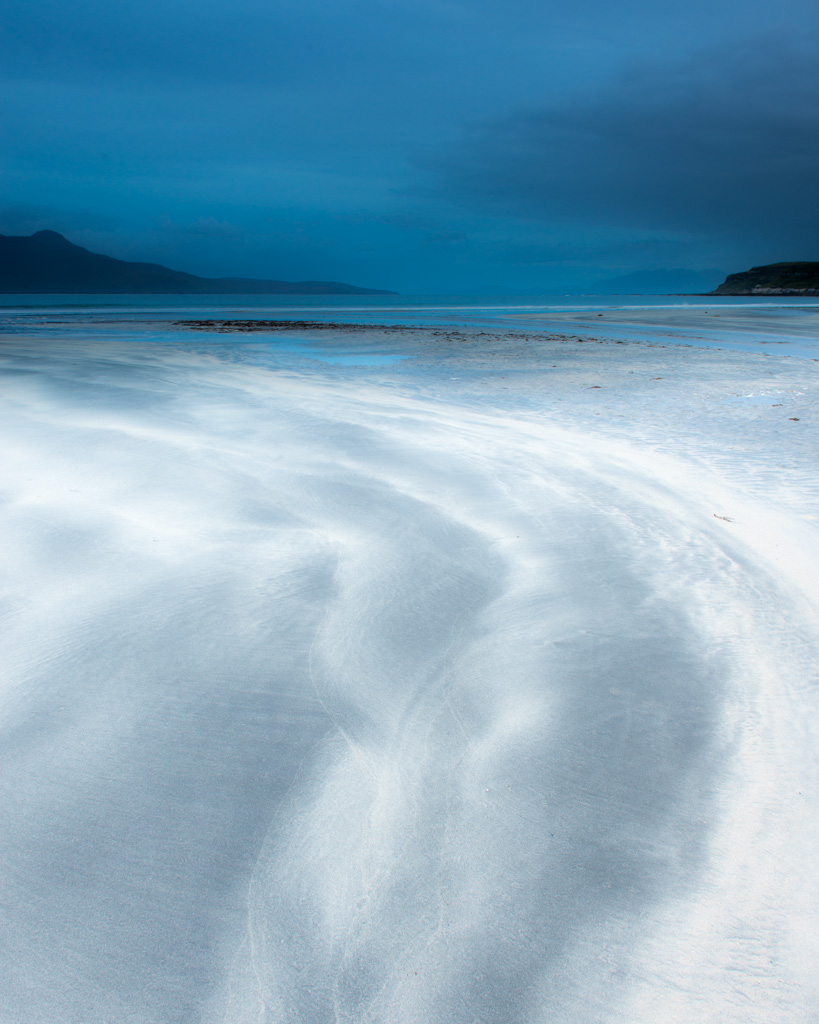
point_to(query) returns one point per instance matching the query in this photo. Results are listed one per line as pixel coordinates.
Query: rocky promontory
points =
(773, 279)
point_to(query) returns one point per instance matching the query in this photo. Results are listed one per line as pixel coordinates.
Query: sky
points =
(523, 146)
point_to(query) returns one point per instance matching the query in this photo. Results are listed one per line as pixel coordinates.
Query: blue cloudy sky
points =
(424, 146)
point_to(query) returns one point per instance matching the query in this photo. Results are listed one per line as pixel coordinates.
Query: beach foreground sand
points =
(477, 684)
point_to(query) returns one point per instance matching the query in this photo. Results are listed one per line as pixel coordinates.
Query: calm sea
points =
(784, 326)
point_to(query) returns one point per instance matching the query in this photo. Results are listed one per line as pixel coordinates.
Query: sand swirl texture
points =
(332, 702)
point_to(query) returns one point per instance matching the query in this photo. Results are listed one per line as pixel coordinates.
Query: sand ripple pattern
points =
(490, 722)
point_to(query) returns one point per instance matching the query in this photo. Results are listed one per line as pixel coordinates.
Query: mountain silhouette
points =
(46, 262)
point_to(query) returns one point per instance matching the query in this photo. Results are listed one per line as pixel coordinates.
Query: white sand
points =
(476, 688)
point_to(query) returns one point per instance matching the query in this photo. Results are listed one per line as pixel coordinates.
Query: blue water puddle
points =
(342, 357)
(350, 358)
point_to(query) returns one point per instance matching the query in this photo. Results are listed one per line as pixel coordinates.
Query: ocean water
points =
(463, 675)
(786, 326)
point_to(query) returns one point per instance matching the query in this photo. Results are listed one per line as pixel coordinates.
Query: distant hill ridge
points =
(46, 262)
(773, 279)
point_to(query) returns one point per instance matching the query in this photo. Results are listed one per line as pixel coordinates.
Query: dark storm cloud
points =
(347, 46)
(724, 143)
(184, 40)
(318, 138)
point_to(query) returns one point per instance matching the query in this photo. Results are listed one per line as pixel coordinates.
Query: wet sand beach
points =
(456, 675)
